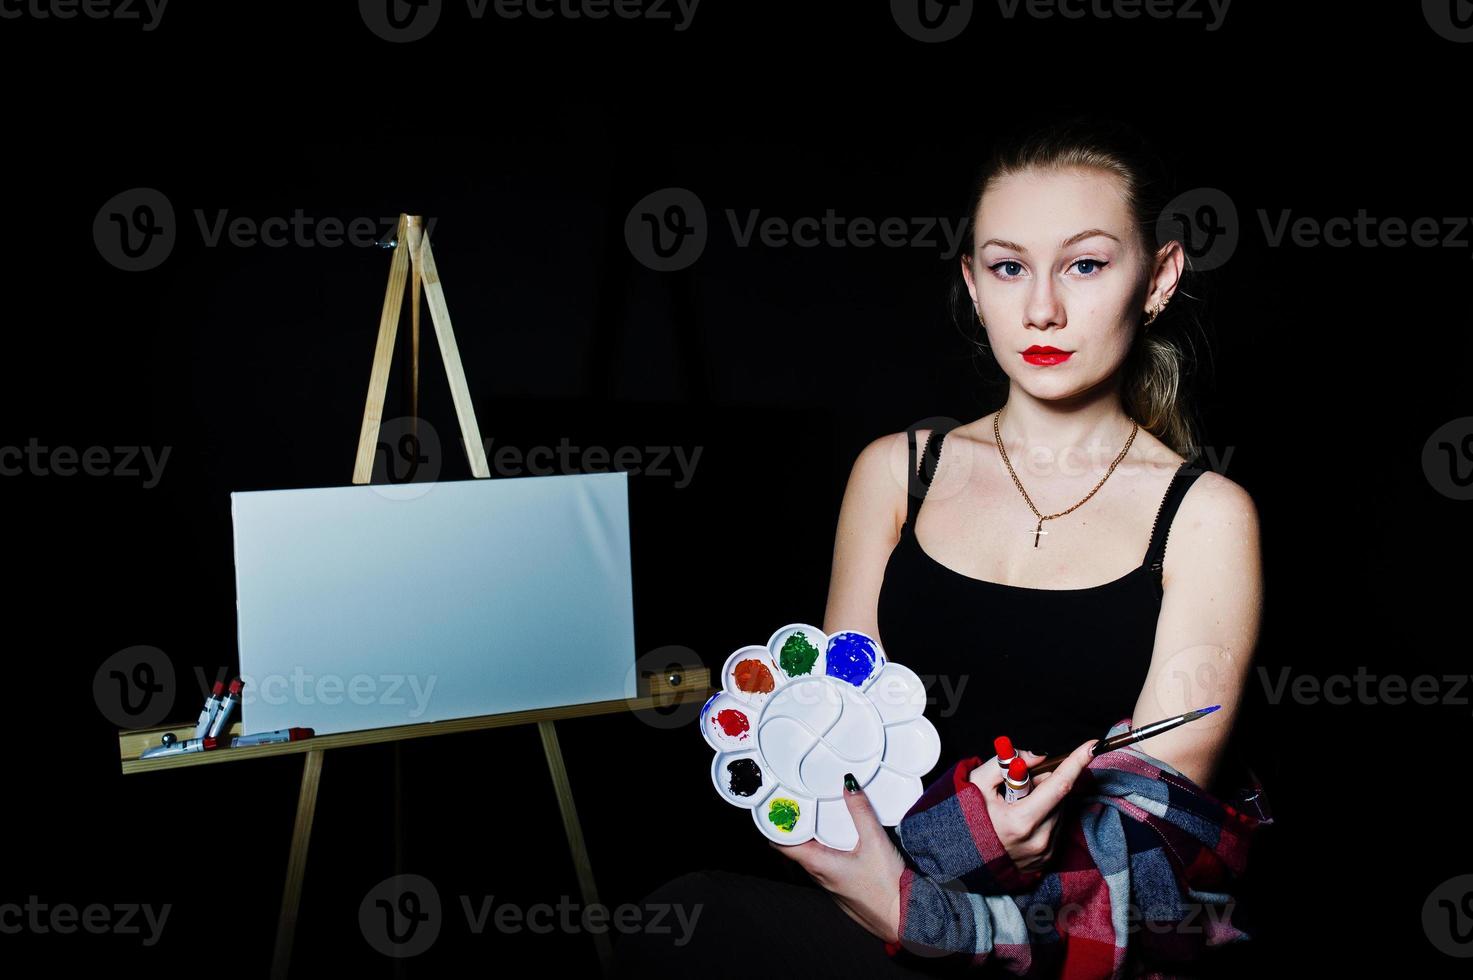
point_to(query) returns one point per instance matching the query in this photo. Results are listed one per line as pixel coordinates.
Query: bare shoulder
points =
(1216, 500)
(877, 480)
(1216, 523)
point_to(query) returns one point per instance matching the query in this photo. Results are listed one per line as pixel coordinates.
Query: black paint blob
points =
(746, 777)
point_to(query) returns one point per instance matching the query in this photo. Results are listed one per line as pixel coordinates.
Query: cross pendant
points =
(1036, 532)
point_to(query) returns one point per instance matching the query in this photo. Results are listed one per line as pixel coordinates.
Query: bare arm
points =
(1208, 625)
(869, 526)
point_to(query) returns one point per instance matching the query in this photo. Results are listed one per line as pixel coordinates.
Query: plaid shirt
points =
(1142, 862)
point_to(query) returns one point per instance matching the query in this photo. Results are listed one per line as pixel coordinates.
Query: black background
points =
(528, 142)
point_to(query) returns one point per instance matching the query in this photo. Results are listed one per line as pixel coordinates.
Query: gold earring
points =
(1155, 313)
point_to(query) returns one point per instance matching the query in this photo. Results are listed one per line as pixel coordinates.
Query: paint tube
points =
(1018, 783)
(1005, 753)
(221, 724)
(207, 715)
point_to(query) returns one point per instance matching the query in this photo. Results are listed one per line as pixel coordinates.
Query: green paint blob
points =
(784, 814)
(797, 656)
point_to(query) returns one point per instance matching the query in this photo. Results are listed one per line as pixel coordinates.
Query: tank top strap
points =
(1181, 482)
(920, 482)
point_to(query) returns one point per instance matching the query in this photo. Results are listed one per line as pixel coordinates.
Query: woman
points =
(1033, 592)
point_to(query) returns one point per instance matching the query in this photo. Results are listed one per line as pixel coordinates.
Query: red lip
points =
(1044, 356)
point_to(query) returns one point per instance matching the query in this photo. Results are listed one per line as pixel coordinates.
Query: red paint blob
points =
(732, 721)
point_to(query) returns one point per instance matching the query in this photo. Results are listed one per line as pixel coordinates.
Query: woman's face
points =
(1058, 264)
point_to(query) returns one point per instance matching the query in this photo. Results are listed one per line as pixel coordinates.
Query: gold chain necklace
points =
(997, 435)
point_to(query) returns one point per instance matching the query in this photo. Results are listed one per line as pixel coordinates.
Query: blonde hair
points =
(1162, 363)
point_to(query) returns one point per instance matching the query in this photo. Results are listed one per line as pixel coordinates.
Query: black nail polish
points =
(850, 783)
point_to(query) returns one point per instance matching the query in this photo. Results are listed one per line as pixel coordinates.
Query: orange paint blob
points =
(753, 677)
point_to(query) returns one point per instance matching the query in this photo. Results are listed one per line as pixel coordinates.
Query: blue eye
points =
(1097, 263)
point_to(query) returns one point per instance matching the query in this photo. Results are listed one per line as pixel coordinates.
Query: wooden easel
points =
(412, 255)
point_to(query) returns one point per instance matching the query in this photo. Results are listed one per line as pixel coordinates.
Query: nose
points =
(1043, 309)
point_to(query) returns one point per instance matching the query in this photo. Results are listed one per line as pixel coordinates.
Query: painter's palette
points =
(795, 715)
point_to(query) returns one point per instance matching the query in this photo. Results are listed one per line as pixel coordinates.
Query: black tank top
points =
(1049, 668)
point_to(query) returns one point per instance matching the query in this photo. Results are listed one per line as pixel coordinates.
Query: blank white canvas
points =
(394, 604)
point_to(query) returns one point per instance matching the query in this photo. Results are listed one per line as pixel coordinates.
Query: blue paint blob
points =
(851, 657)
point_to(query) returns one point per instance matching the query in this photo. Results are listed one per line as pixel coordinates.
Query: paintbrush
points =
(1128, 737)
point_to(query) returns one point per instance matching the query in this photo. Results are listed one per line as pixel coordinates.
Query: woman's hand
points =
(865, 881)
(1026, 828)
